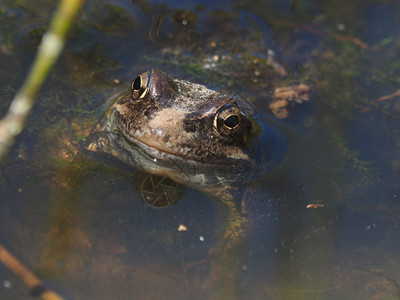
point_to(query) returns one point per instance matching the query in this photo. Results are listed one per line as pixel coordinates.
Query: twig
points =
(49, 50)
(387, 97)
(34, 284)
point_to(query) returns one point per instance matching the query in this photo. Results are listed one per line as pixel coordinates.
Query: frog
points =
(195, 136)
(188, 132)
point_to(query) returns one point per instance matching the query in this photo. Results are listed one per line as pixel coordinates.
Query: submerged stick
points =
(14, 121)
(49, 50)
(34, 284)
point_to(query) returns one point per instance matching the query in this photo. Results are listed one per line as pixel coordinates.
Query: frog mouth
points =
(146, 151)
(166, 157)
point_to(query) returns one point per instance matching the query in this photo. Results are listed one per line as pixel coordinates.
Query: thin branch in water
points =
(49, 50)
(34, 284)
(387, 97)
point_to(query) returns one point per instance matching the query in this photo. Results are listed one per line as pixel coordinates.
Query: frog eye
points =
(140, 86)
(137, 83)
(232, 121)
(228, 119)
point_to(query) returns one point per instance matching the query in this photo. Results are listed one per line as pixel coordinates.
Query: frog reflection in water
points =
(193, 135)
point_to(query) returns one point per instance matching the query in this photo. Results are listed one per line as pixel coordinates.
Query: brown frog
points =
(188, 132)
(198, 137)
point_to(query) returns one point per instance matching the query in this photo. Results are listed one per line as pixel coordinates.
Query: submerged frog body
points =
(197, 137)
(188, 132)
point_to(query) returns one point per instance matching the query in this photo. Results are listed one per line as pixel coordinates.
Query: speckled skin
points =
(181, 129)
(184, 119)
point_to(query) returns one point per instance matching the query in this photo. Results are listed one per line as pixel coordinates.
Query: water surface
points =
(80, 223)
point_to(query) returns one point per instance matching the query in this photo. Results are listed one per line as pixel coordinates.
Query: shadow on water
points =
(323, 225)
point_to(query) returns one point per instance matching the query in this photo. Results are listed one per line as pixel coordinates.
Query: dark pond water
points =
(80, 223)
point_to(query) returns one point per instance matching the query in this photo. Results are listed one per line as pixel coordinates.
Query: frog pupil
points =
(232, 121)
(137, 83)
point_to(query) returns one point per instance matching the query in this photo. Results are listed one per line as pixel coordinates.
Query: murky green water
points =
(80, 224)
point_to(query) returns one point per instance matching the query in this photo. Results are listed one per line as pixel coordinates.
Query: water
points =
(82, 226)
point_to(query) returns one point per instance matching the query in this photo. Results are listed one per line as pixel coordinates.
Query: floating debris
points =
(315, 205)
(182, 227)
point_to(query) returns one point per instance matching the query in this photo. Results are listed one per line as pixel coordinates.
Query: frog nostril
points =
(232, 121)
